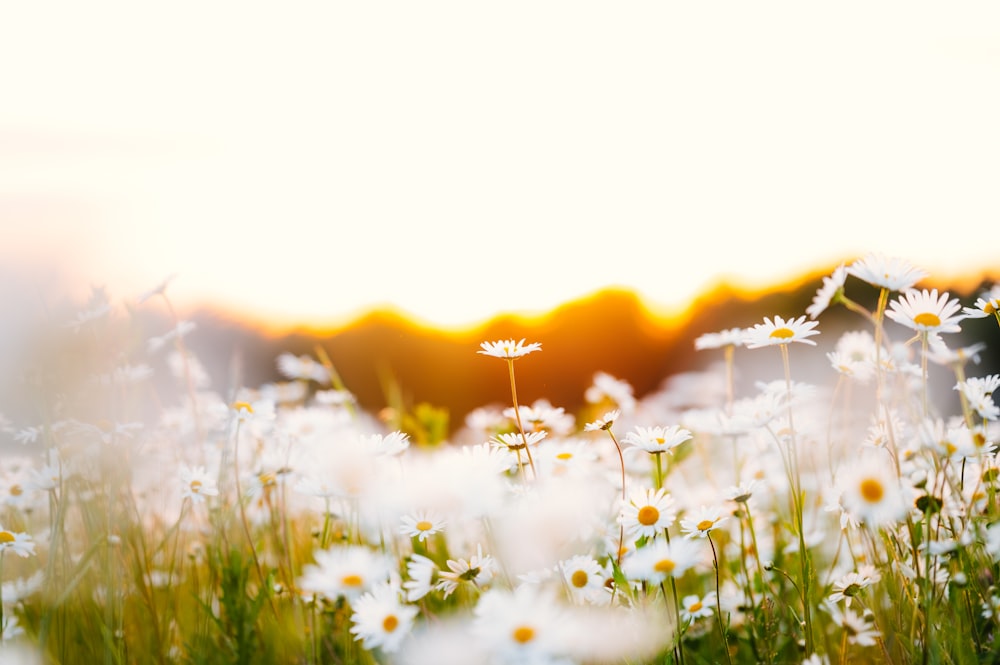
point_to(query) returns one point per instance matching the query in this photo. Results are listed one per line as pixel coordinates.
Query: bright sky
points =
(302, 161)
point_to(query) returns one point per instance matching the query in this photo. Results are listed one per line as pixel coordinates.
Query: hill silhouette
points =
(610, 331)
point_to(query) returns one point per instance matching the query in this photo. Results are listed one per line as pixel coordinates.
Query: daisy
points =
(926, 312)
(693, 607)
(987, 305)
(585, 579)
(648, 512)
(978, 391)
(380, 619)
(603, 423)
(302, 367)
(851, 584)
(16, 542)
(521, 626)
(741, 493)
(421, 525)
(542, 415)
(659, 560)
(478, 570)
(887, 272)
(344, 572)
(508, 349)
(699, 523)
(421, 571)
(605, 386)
(856, 627)
(832, 285)
(657, 439)
(871, 493)
(390, 445)
(196, 484)
(514, 440)
(718, 340)
(780, 332)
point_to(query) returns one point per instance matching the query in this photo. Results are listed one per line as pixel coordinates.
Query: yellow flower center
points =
(196, 486)
(523, 634)
(782, 333)
(6, 537)
(665, 566)
(266, 478)
(871, 490)
(978, 439)
(424, 525)
(648, 515)
(243, 406)
(579, 579)
(16, 490)
(705, 525)
(928, 319)
(660, 440)
(351, 580)
(390, 623)
(564, 456)
(695, 606)
(990, 308)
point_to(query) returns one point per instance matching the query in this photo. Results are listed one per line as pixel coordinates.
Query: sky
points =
(302, 162)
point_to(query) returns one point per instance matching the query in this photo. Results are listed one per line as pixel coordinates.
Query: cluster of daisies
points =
(809, 521)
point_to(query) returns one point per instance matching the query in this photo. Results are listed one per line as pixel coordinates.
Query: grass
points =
(844, 519)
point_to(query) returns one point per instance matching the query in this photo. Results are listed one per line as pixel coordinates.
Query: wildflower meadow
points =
(851, 517)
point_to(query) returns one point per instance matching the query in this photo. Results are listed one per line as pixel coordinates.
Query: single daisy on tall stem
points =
(509, 350)
(782, 333)
(604, 424)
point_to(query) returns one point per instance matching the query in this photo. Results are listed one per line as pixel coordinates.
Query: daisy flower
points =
(693, 607)
(857, 628)
(585, 579)
(741, 493)
(16, 542)
(508, 349)
(851, 584)
(603, 423)
(648, 512)
(302, 367)
(421, 572)
(478, 570)
(700, 522)
(380, 619)
(196, 484)
(605, 386)
(718, 340)
(780, 332)
(987, 305)
(659, 560)
(831, 286)
(514, 440)
(344, 572)
(521, 626)
(979, 393)
(870, 491)
(421, 525)
(657, 439)
(542, 415)
(391, 444)
(887, 272)
(926, 312)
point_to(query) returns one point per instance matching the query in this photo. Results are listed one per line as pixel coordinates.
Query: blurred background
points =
(379, 175)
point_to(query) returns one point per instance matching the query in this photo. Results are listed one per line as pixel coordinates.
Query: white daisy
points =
(831, 286)
(887, 272)
(657, 439)
(780, 332)
(718, 340)
(508, 349)
(344, 572)
(659, 560)
(603, 423)
(421, 525)
(648, 512)
(693, 607)
(477, 570)
(380, 619)
(699, 523)
(926, 312)
(17, 542)
(196, 484)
